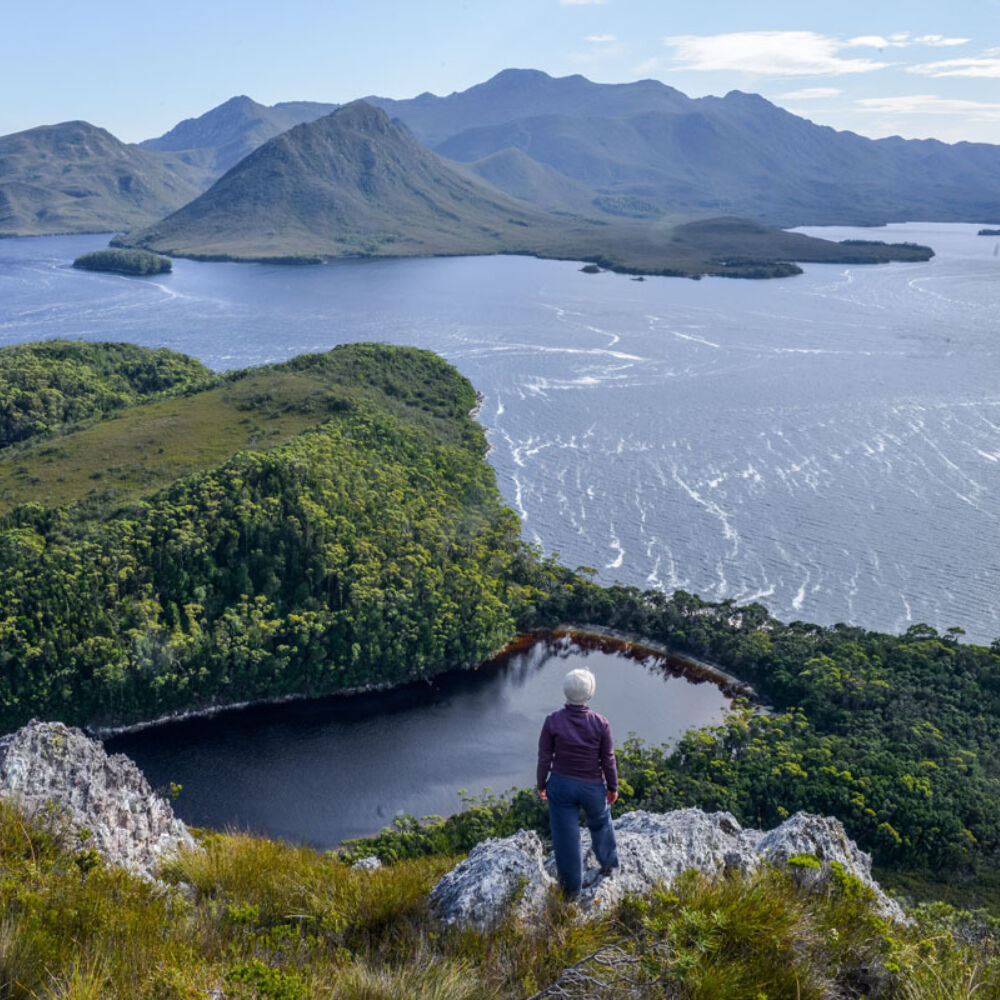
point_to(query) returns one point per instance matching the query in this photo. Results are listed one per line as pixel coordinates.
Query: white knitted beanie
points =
(579, 686)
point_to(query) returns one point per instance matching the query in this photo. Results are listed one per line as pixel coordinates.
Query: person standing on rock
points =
(577, 770)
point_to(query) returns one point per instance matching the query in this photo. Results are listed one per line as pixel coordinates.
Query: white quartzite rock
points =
(496, 873)
(656, 847)
(653, 848)
(48, 764)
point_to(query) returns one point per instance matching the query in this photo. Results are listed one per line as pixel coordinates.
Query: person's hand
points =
(612, 797)
(542, 795)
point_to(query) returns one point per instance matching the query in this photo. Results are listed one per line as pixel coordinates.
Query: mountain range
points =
(351, 183)
(600, 152)
(233, 130)
(646, 149)
(355, 183)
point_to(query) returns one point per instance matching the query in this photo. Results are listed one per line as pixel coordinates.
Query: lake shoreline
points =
(687, 666)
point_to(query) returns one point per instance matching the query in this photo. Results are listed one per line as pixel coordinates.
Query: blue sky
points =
(917, 68)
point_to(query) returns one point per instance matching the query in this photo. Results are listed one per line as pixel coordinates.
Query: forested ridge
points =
(48, 385)
(353, 535)
(370, 548)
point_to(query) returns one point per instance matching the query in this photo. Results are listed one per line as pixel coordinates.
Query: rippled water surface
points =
(828, 444)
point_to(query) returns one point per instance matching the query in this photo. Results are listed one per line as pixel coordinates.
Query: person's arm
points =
(546, 749)
(608, 763)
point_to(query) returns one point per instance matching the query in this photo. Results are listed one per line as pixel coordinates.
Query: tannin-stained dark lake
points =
(323, 771)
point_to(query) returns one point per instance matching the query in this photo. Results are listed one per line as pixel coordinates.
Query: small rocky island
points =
(988, 232)
(122, 261)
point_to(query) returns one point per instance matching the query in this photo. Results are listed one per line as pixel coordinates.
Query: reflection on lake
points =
(326, 770)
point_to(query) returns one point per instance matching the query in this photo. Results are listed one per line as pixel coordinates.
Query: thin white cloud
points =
(600, 39)
(930, 104)
(986, 65)
(768, 53)
(901, 40)
(877, 42)
(939, 41)
(810, 94)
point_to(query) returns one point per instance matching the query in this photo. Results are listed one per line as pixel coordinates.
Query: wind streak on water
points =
(827, 444)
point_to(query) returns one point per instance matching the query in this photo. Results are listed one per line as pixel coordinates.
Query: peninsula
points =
(355, 184)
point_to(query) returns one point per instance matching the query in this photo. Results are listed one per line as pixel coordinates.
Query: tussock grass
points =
(262, 920)
(137, 451)
(435, 979)
(134, 452)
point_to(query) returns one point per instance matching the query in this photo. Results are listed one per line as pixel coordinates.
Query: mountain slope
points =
(230, 132)
(522, 93)
(517, 174)
(351, 183)
(356, 184)
(645, 149)
(75, 177)
(736, 155)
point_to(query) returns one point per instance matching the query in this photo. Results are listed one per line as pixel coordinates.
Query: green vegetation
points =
(48, 385)
(146, 448)
(124, 262)
(262, 920)
(897, 736)
(629, 205)
(358, 540)
(330, 523)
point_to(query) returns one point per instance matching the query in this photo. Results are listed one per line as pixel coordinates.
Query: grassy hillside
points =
(260, 920)
(146, 448)
(306, 527)
(355, 184)
(77, 178)
(47, 386)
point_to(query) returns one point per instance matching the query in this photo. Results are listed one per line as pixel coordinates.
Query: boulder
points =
(104, 800)
(653, 848)
(498, 874)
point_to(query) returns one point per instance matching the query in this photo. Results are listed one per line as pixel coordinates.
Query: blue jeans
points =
(566, 797)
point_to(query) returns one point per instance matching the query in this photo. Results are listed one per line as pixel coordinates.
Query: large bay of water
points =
(827, 444)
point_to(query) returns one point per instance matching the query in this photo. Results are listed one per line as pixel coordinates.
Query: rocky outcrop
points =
(498, 874)
(513, 873)
(105, 801)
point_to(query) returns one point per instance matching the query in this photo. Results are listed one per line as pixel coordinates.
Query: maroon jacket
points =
(577, 743)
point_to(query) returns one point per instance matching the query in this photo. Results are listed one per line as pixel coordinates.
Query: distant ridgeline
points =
(174, 539)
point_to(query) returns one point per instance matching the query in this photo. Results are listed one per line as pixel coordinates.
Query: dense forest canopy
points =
(370, 548)
(47, 385)
(331, 523)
